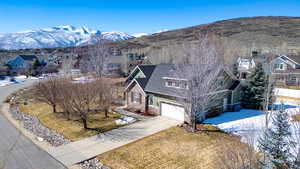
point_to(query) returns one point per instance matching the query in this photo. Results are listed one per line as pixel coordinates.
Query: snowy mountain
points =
(137, 35)
(59, 36)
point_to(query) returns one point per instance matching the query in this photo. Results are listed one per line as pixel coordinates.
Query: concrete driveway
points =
(90, 147)
(16, 150)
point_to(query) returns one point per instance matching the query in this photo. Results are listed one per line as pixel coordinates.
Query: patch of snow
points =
(128, 119)
(121, 122)
(33, 78)
(20, 77)
(5, 83)
(83, 79)
(250, 124)
(164, 30)
(137, 35)
(125, 120)
(40, 139)
(287, 92)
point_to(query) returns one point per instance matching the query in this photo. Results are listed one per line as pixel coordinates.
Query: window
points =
(176, 84)
(254, 53)
(293, 78)
(136, 97)
(279, 66)
(169, 83)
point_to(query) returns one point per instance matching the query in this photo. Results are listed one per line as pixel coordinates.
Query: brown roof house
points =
(154, 89)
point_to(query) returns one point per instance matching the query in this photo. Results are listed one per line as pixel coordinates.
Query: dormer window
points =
(279, 66)
(176, 83)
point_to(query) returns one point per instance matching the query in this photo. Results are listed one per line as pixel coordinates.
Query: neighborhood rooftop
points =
(28, 57)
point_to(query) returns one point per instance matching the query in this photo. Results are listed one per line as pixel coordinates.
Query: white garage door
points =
(172, 111)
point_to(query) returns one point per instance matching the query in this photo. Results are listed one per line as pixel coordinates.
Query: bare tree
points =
(67, 65)
(269, 98)
(98, 56)
(65, 97)
(106, 94)
(48, 92)
(83, 97)
(200, 68)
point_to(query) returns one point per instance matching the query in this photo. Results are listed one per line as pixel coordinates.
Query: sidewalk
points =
(88, 148)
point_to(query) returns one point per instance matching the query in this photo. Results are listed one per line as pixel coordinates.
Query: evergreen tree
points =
(275, 144)
(253, 93)
(35, 66)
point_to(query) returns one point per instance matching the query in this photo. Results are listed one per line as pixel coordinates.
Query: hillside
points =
(262, 34)
(246, 30)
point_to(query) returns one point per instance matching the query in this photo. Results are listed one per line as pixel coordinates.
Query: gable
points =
(284, 60)
(18, 61)
(141, 71)
(135, 86)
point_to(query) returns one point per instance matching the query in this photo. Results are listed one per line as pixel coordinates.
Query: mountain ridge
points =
(57, 36)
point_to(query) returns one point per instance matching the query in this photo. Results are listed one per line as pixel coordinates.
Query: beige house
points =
(152, 89)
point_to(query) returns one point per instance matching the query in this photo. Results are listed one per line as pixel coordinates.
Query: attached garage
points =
(172, 111)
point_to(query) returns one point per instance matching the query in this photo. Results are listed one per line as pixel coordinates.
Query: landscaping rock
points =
(93, 164)
(33, 125)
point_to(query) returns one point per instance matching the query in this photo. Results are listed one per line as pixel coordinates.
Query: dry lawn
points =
(296, 117)
(172, 148)
(72, 129)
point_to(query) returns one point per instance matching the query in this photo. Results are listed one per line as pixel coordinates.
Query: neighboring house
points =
(286, 70)
(21, 64)
(3, 70)
(245, 67)
(153, 89)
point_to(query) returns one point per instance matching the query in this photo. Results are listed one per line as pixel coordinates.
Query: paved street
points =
(16, 150)
(78, 151)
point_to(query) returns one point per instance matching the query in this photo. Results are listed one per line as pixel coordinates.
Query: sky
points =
(133, 16)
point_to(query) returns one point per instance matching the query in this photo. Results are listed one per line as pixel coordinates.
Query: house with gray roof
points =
(286, 70)
(155, 90)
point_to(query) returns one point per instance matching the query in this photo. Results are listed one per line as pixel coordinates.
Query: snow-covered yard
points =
(9, 80)
(250, 124)
(287, 92)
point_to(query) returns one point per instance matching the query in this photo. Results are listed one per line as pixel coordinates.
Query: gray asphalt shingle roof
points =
(156, 83)
(155, 80)
(147, 69)
(28, 57)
